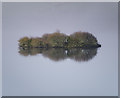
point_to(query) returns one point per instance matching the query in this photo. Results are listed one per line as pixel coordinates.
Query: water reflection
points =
(57, 54)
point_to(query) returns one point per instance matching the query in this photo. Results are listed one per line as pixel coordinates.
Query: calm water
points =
(59, 72)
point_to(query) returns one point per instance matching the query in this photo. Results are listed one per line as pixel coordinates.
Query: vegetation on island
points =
(60, 40)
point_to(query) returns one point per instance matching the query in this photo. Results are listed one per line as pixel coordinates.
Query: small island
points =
(60, 40)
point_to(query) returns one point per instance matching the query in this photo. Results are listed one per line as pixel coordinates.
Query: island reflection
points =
(57, 54)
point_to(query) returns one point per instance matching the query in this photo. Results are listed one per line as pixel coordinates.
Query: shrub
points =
(57, 39)
(24, 42)
(80, 39)
(38, 43)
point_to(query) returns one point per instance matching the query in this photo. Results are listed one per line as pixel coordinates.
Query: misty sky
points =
(35, 19)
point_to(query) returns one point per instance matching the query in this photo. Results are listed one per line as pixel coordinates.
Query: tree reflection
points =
(57, 54)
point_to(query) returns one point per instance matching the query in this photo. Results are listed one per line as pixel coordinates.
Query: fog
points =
(40, 76)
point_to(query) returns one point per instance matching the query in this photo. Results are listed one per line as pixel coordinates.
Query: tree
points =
(56, 39)
(24, 42)
(39, 43)
(80, 39)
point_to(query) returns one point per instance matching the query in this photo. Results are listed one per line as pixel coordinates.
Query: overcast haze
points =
(36, 19)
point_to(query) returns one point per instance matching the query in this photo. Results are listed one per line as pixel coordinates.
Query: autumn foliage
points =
(60, 40)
